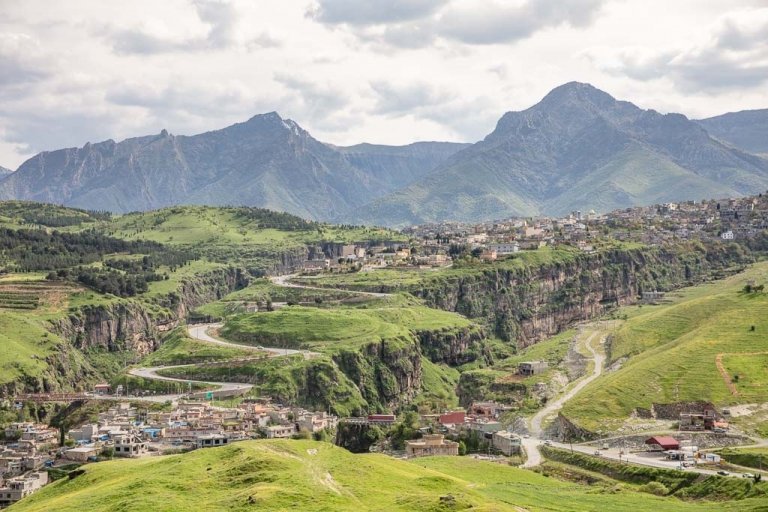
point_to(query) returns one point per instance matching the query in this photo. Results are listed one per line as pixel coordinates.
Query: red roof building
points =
(663, 442)
(452, 418)
(382, 419)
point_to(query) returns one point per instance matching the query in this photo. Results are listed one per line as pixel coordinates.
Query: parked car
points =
(597, 453)
(723, 472)
(747, 475)
(719, 430)
(548, 442)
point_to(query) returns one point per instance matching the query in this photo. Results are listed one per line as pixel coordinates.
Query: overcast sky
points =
(390, 71)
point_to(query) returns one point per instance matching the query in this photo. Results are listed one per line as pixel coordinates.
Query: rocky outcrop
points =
(452, 346)
(388, 372)
(124, 325)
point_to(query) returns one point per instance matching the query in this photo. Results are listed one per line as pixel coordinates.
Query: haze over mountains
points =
(579, 148)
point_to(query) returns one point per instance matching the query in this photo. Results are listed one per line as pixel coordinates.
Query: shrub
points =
(656, 488)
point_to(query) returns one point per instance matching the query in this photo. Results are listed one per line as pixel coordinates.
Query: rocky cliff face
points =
(452, 346)
(123, 325)
(387, 373)
(531, 303)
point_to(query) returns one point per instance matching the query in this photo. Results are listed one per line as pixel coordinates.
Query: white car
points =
(747, 475)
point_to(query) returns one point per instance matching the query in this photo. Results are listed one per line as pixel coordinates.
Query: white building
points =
(504, 248)
(506, 442)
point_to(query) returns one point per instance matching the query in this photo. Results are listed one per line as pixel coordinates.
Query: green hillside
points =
(328, 330)
(305, 475)
(673, 349)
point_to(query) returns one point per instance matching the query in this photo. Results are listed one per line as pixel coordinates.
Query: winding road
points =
(285, 282)
(531, 444)
(201, 332)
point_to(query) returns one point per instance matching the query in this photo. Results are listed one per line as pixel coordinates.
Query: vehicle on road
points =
(747, 475)
(527, 436)
(598, 453)
(605, 446)
(548, 442)
(723, 472)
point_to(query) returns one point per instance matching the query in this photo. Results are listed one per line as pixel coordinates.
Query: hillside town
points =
(32, 451)
(438, 244)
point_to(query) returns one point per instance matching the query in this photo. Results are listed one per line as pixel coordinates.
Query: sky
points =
(351, 71)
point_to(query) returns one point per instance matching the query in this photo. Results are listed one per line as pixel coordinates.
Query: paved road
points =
(201, 332)
(285, 281)
(531, 444)
(223, 388)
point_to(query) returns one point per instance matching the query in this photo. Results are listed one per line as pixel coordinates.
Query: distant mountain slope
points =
(747, 130)
(267, 162)
(4, 171)
(577, 148)
(398, 166)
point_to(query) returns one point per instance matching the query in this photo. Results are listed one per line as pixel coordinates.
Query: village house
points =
(21, 487)
(85, 434)
(452, 418)
(280, 431)
(129, 445)
(211, 440)
(102, 389)
(431, 444)
(488, 255)
(81, 453)
(503, 249)
(486, 409)
(529, 368)
(506, 442)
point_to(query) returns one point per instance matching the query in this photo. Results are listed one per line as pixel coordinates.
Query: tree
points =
(462, 448)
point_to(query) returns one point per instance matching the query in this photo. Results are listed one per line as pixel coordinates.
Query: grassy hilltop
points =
(307, 475)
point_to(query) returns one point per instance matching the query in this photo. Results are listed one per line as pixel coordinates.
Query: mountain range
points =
(578, 148)
(747, 129)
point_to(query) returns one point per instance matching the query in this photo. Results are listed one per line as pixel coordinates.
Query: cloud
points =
(734, 55)
(492, 22)
(396, 99)
(217, 30)
(21, 61)
(477, 22)
(316, 101)
(467, 118)
(371, 12)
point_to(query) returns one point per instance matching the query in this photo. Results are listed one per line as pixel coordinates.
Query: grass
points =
(672, 350)
(307, 475)
(179, 348)
(24, 346)
(209, 226)
(749, 457)
(328, 330)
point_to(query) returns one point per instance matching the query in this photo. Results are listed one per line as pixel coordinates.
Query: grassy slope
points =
(187, 225)
(305, 475)
(750, 457)
(178, 348)
(672, 349)
(327, 330)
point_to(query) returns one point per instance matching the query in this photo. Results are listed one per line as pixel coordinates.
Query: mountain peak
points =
(268, 116)
(578, 92)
